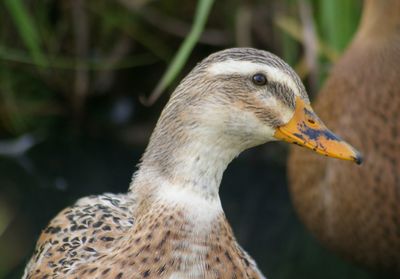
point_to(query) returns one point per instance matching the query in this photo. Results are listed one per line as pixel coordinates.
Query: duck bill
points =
(306, 129)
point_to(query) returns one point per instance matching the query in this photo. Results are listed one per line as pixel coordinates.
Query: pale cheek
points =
(238, 124)
(250, 130)
(273, 112)
(285, 113)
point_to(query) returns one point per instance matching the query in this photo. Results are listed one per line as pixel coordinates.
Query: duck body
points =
(171, 223)
(98, 238)
(355, 211)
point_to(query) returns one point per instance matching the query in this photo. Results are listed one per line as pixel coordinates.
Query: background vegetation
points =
(79, 97)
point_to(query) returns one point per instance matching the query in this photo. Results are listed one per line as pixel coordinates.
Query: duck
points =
(355, 212)
(170, 223)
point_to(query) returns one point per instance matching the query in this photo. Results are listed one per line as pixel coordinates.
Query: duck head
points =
(247, 97)
(232, 100)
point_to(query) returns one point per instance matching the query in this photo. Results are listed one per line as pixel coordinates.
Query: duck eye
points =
(259, 79)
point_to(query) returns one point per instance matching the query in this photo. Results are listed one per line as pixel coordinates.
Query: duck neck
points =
(186, 159)
(196, 165)
(380, 20)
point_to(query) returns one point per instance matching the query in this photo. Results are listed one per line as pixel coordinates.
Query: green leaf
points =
(337, 21)
(27, 31)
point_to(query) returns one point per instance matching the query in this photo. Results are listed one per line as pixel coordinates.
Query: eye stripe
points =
(248, 68)
(257, 56)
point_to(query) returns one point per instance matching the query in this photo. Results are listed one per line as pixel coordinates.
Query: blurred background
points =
(82, 84)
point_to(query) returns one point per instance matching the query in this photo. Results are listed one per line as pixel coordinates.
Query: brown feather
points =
(355, 210)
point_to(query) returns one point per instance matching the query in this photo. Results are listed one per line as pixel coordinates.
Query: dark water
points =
(254, 195)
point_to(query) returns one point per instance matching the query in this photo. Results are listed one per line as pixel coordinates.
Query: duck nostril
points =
(311, 121)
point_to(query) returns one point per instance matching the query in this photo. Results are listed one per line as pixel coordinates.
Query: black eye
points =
(259, 79)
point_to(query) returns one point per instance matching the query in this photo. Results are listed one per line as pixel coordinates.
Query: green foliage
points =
(25, 24)
(337, 21)
(50, 49)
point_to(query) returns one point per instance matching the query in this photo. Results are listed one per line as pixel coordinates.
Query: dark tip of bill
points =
(358, 159)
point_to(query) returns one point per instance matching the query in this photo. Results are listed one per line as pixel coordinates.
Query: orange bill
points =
(306, 129)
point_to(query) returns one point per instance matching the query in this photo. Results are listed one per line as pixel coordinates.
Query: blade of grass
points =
(202, 12)
(26, 28)
(337, 21)
(69, 63)
(290, 46)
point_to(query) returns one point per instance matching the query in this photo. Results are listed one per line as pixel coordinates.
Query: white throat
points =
(192, 183)
(196, 168)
